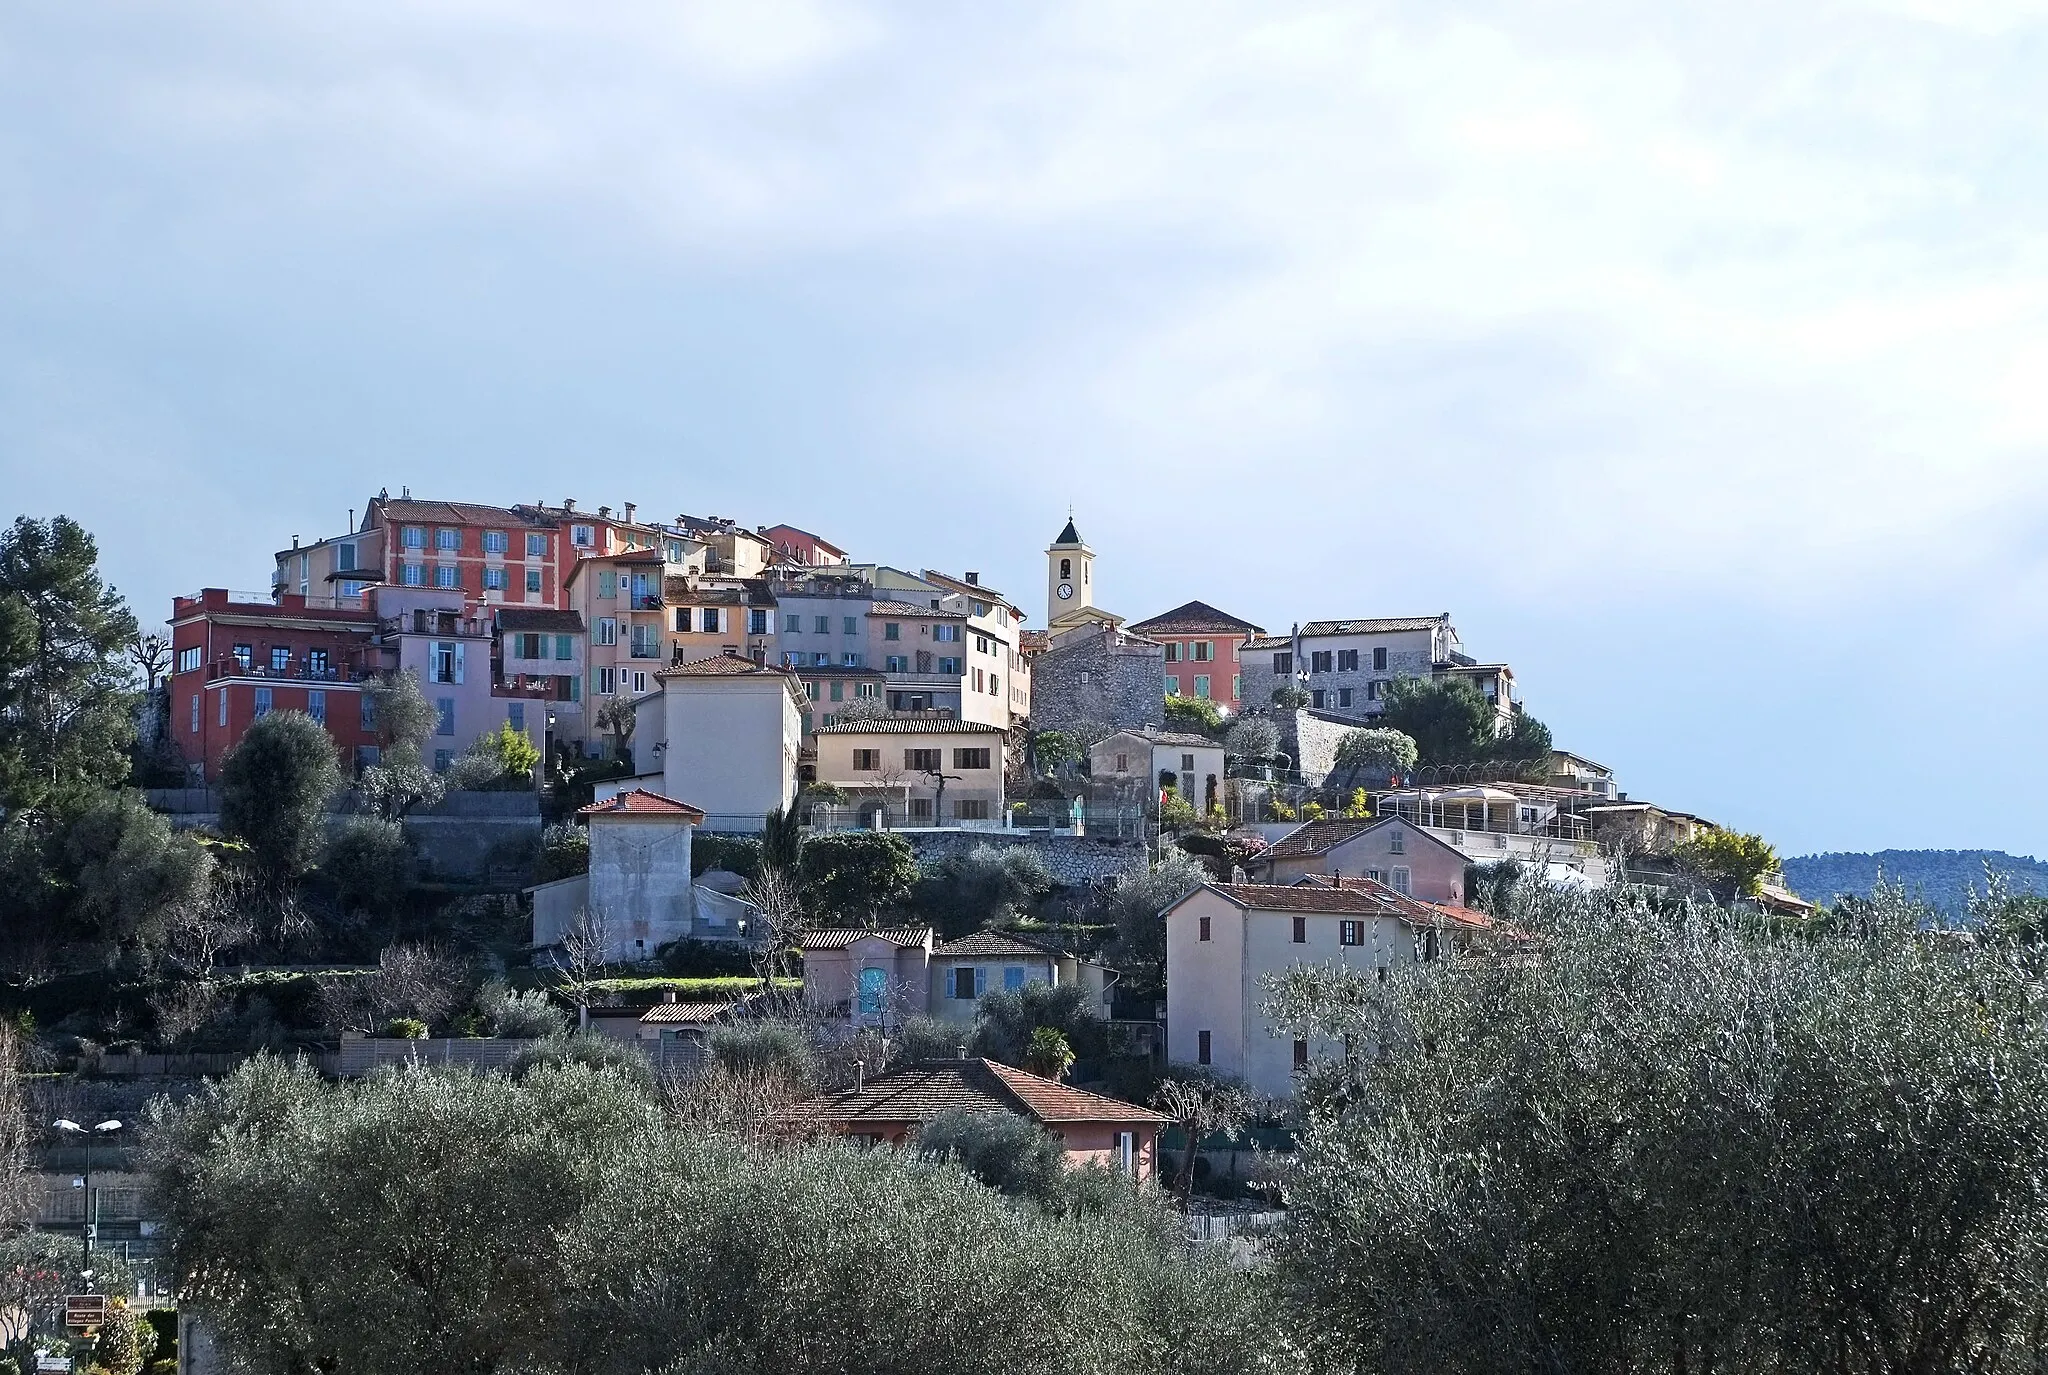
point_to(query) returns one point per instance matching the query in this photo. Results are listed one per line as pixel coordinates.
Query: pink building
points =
(791, 545)
(1203, 650)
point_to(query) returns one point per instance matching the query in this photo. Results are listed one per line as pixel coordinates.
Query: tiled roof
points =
(1383, 625)
(1069, 535)
(961, 585)
(1186, 741)
(640, 802)
(686, 1014)
(1348, 897)
(909, 725)
(1317, 837)
(920, 1092)
(990, 943)
(840, 939)
(539, 618)
(906, 609)
(456, 512)
(1197, 616)
(723, 666)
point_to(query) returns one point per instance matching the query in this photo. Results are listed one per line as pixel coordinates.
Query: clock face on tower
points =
(1066, 590)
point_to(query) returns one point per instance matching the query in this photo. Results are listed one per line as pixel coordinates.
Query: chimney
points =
(860, 1075)
(568, 504)
(630, 508)
(961, 1051)
(974, 579)
(295, 541)
(605, 512)
(668, 995)
(405, 494)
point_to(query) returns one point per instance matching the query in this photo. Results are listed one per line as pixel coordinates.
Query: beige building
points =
(869, 978)
(1147, 757)
(912, 771)
(724, 732)
(966, 970)
(1070, 585)
(1224, 940)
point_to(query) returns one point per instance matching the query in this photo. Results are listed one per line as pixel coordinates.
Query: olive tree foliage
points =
(1660, 1136)
(1252, 737)
(1376, 750)
(1134, 905)
(370, 863)
(132, 873)
(1010, 1154)
(274, 787)
(987, 886)
(400, 780)
(1005, 1021)
(556, 1221)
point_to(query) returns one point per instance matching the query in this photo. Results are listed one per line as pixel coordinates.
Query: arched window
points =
(1066, 569)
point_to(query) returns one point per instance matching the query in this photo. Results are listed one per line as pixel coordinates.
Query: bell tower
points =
(1069, 580)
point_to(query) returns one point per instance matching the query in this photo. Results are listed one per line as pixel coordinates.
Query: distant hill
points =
(1943, 878)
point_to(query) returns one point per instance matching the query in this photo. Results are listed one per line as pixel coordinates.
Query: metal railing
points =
(294, 672)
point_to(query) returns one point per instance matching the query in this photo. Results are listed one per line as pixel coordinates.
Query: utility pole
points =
(89, 1231)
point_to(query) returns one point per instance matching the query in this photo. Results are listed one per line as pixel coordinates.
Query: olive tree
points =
(274, 787)
(1653, 1135)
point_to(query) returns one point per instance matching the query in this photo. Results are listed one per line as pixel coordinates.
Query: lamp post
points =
(90, 1228)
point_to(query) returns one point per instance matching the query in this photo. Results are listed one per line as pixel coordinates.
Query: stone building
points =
(1098, 676)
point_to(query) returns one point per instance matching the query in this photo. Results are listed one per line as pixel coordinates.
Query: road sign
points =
(53, 1365)
(84, 1312)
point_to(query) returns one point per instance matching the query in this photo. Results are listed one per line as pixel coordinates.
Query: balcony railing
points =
(645, 601)
(295, 672)
(432, 623)
(536, 686)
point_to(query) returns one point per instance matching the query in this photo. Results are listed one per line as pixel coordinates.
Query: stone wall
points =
(1072, 860)
(1105, 679)
(1310, 739)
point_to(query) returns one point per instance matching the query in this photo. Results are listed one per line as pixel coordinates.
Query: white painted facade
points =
(725, 739)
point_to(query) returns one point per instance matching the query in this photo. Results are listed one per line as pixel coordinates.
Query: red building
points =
(791, 545)
(1203, 648)
(234, 661)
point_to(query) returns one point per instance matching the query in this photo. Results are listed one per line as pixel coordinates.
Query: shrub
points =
(1197, 715)
(1006, 1021)
(736, 854)
(1378, 751)
(1006, 1152)
(1290, 698)
(1730, 859)
(925, 1038)
(274, 787)
(987, 886)
(406, 1029)
(849, 876)
(1252, 737)
(588, 1050)
(1047, 1054)
(1134, 906)
(1449, 720)
(565, 852)
(519, 1016)
(768, 1048)
(370, 863)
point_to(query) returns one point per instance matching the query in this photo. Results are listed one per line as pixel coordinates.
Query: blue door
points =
(872, 982)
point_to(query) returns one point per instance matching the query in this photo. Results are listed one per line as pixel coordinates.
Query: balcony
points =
(644, 601)
(443, 624)
(294, 672)
(538, 687)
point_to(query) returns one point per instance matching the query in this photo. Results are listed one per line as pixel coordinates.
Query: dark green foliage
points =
(1195, 715)
(1450, 720)
(782, 840)
(925, 1038)
(1053, 750)
(1134, 905)
(370, 864)
(564, 852)
(590, 1050)
(531, 1015)
(706, 959)
(1010, 1154)
(849, 876)
(407, 1029)
(66, 694)
(1005, 1022)
(124, 1342)
(735, 854)
(1289, 697)
(768, 1048)
(130, 871)
(1527, 742)
(989, 885)
(275, 784)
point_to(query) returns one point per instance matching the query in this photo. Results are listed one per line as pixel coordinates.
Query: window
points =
(536, 546)
(1351, 933)
(607, 584)
(448, 539)
(243, 655)
(639, 681)
(574, 683)
(950, 633)
(496, 542)
(582, 536)
(947, 665)
(344, 558)
(515, 715)
(223, 706)
(607, 681)
(565, 647)
(972, 809)
(866, 690)
(442, 759)
(1205, 929)
(978, 680)
(850, 659)
(447, 576)
(607, 630)
(262, 703)
(533, 580)
(316, 705)
(366, 712)
(1315, 698)
(1013, 978)
(1397, 843)
(1343, 697)
(710, 620)
(444, 717)
(849, 625)
(1201, 685)
(1301, 1054)
(1172, 652)
(892, 630)
(444, 662)
(757, 622)
(970, 759)
(1379, 659)
(838, 690)
(1301, 930)
(1201, 1047)
(1172, 685)
(413, 575)
(967, 983)
(189, 659)
(822, 624)
(1123, 763)
(1066, 569)
(1402, 882)
(1204, 651)
(867, 761)
(1319, 661)
(1127, 1153)
(922, 761)
(280, 658)
(351, 589)
(1283, 663)
(1236, 687)
(896, 663)
(811, 689)
(1375, 690)
(494, 580)
(1347, 659)
(414, 538)
(529, 646)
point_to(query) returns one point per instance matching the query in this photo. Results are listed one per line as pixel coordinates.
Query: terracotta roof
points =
(841, 938)
(991, 943)
(685, 1014)
(1316, 837)
(1370, 625)
(920, 1092)
(1349, 897)
(402, 509)
(909, 725)
(640, 802)
(723, 666)
(539, 618)
(1197, 616)
(1185, 740)
(906, 609)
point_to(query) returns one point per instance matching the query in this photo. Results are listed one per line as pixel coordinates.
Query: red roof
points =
(640, 802)
(920, 1092)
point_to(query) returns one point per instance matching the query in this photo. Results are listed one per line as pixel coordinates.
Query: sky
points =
(1693, 356)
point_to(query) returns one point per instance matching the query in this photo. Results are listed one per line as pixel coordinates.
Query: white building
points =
(725, 731)
(1224, 940)
(1194, 761)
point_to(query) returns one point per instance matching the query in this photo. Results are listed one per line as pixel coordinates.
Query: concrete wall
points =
(731, 747)
(640, 888)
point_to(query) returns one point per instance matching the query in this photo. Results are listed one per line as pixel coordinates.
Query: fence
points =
(362, 1054)
(187, 1065)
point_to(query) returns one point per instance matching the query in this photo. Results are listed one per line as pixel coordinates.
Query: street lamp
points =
(90, 1230)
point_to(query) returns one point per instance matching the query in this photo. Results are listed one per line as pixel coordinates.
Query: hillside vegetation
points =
(1941, 878)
